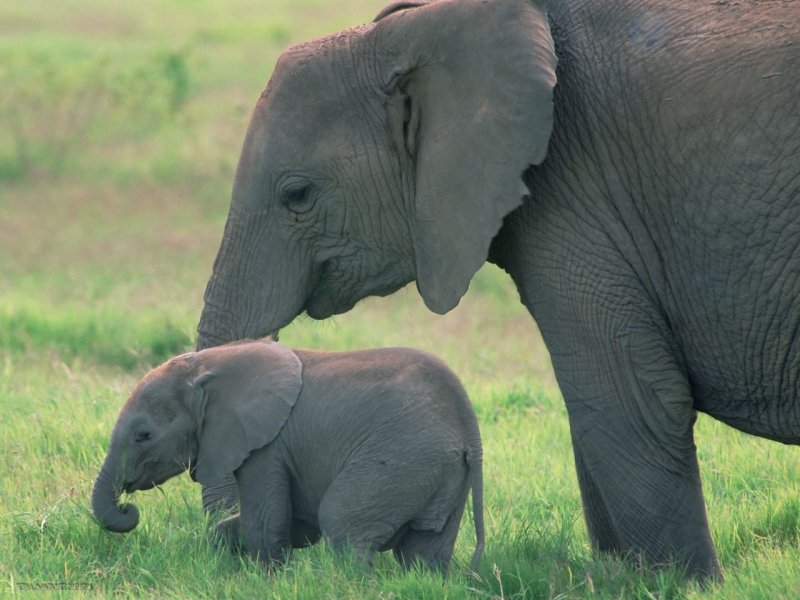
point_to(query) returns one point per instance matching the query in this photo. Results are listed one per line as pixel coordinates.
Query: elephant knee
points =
(222, 497)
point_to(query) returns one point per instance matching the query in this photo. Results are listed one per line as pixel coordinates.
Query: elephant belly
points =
(767, 424)
(734, 307)
(754, 391)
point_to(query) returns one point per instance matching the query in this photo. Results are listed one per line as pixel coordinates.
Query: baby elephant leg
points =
(227, 535)
(367, 505)
(265, 520)
(222, 496)
(432, 549)
(429, 541)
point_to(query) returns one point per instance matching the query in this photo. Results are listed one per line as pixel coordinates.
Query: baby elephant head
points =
(203, 411)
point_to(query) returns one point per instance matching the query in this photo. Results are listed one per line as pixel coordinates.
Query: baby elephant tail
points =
(475, 463)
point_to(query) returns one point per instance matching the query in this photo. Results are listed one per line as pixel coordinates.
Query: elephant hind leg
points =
(431, 548)
(373, 507)
(363, 514)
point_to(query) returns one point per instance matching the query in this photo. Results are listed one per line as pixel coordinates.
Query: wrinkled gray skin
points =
(633, 165)
(376, 449)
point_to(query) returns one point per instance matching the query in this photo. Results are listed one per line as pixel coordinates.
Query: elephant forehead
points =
(320, 73)
(304, 133)
(158, 391)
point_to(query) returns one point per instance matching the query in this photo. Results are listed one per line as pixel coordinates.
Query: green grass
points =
(109, 222)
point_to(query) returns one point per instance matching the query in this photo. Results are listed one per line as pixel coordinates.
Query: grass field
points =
(120, 125)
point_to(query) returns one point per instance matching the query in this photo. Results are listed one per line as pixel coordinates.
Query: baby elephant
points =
(375, 450)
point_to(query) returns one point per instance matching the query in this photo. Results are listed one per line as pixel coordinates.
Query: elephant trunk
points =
(105, 501)
(249, 298)
(216, 327)
(229, 294)
(261, 277)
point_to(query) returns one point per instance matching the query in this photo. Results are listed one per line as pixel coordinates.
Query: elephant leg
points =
(631, 419)
(366, 506)
(221, 497)
(265, 520)
(431, 548)
(227, 535)
(598, 520)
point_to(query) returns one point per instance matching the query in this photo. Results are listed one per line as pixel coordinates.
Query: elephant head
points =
(380, 155)
(203, 411)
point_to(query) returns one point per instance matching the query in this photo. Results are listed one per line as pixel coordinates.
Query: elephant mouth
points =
(327, 299)
(320, 302)
(321, 307)
(139, 486)
(144, 482)
(143, 486)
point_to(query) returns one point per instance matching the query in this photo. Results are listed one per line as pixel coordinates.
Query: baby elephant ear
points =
(244, 393)
(397, 7)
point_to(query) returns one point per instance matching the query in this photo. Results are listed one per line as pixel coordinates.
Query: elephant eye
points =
(142, 436)
(298, 198)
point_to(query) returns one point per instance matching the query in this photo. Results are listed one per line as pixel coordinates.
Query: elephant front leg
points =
(227, 535)
(631, 420)
(265, 519)
(222, 496)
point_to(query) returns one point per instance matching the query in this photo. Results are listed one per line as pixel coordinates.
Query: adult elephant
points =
(646, 206)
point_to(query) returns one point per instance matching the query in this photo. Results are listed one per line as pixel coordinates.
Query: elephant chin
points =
(325, 302)
(320, 309)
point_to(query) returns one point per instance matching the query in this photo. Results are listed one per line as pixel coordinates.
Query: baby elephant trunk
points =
(105, 501)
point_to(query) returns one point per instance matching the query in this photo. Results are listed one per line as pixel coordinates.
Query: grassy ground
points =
(120, 124)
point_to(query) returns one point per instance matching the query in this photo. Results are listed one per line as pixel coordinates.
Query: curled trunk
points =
(105, 502)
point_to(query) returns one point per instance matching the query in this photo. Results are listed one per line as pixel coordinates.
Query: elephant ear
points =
(470, 87)
(243, 395)
(398, 6)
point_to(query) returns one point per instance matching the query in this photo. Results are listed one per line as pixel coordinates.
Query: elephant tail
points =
(475, 463)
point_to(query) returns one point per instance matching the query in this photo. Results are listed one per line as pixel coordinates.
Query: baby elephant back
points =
(392, 393)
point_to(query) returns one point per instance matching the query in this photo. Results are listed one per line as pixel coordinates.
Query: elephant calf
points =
(376, 449)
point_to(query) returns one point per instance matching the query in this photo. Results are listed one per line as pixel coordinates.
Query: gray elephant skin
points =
(633, 165)
(375, 450)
